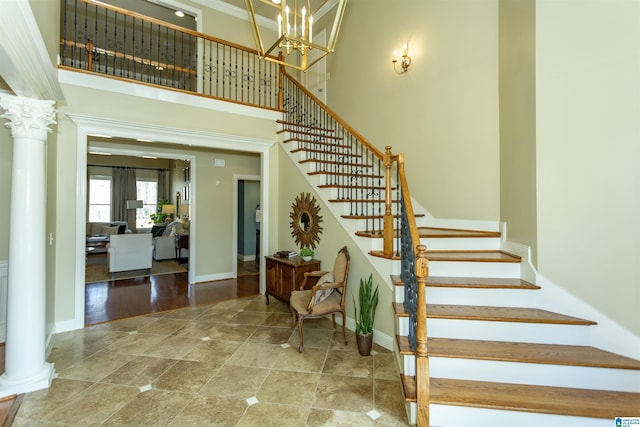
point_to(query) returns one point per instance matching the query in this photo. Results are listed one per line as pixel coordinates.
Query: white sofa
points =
(94, 228)
(165, 245)
(129, 252)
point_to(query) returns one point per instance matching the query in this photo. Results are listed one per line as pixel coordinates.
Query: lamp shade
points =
(169, 209)
(134, 204)
(183, 211)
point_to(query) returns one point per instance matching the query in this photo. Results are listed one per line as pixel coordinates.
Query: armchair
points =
(129, 252)
(325, 297)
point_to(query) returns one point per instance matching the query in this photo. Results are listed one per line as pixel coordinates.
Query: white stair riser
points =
(457, 416)
(478, 296)
(535, 374)
(508, 331)
(508, 270)
(402, 326)
(449, 244)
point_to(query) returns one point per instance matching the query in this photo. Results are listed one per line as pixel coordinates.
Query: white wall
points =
(588, 147)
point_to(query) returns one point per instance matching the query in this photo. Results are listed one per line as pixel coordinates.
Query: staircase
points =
(494, 357)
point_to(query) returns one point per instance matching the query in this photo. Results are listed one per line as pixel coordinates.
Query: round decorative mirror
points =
(305, 221)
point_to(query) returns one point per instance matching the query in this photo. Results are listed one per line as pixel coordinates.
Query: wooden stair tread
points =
(550, 354)
(299, 125)
(501, 314)
(475, 256)
(452, 232)
(528, 398)
(380, 254)
(374, 216)
(355, 175)
(329, 154)
(312, 134)
(471, 282)
(359, 201)
(334, 162)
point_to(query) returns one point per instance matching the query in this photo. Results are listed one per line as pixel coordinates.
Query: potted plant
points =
(368, 299)
(306, 254)
(159, 217)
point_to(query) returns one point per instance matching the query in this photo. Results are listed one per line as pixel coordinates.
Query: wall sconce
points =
(405, 60)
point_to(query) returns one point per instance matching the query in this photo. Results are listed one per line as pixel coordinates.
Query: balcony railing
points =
(108, 40)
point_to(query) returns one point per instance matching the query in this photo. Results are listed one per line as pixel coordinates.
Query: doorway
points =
(248, 220)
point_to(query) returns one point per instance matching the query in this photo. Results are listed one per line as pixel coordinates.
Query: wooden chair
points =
(327, 296)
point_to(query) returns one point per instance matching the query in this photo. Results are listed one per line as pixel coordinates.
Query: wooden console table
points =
(286, 274)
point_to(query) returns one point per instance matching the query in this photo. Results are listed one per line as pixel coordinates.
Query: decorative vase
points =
(365, 342)
(307, 258)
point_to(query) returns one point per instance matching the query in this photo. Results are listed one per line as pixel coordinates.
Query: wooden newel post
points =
(388, 217)
(90, 55)
(422, 356)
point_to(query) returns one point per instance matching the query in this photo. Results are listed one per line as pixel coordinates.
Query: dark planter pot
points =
(365, 342)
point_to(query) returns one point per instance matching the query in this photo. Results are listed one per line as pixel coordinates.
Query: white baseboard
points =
(246, 258)
(212, 277)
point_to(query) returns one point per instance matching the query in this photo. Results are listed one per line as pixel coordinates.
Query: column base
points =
(11, 386)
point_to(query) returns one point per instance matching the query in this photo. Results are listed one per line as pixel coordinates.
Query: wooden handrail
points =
(379, 154)
(169, 25)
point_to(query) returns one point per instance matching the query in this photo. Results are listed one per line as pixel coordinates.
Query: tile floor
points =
(234, 363)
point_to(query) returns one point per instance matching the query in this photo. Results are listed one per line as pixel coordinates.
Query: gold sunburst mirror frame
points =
(305, 221)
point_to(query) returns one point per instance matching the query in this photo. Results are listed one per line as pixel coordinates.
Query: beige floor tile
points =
(151, 408)
(46, 401)
(125, 325)
(186, 376)
(316, 338)
(197, 328)
(233, 304)
(310, 360)
(344, 393)
(260, 305)
(289, 388)
(322, 323)
(211, 411)
(234, 383)
(218, 315)
(388, 398)
(96, 367)
(337, 340)
(188, 313)
(256, 354)
(215, 352)
(385, 366)
(139, 371)
(135, 343)
(173, 347)
(256, 318)
(389, 421)
(94, 405)
(332, 418)
(262, 414)
(92, 341)
(163, 326)
(282, 320)
(348, 363)
(232, 332)
(270, 335)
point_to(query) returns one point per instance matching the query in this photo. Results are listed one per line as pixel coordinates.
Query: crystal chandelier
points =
(295, 29)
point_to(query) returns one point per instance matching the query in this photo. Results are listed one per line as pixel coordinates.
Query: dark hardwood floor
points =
(119, 299)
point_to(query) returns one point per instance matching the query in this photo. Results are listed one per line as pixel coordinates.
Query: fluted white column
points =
(26, 368)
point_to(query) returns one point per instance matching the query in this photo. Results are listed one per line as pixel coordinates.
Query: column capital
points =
(28, 118)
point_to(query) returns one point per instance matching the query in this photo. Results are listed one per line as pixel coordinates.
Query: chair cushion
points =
(300, 300)
(324, 293)
(340, 268)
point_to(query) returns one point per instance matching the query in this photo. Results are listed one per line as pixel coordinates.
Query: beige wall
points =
(101, 104)
(518, 122)
(332, 239)
(43, 11)
(443, 112)
(588, 134)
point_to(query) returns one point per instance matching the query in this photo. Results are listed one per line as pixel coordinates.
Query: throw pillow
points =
(157, 230)
(177, 229)
(110, 230)
(323, 294)
(121, 228)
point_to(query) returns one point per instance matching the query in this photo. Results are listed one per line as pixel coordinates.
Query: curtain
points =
(163, 184)
(123, 188)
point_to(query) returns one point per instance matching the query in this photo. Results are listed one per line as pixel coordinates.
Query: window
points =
(147, 190)
(99, 198)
